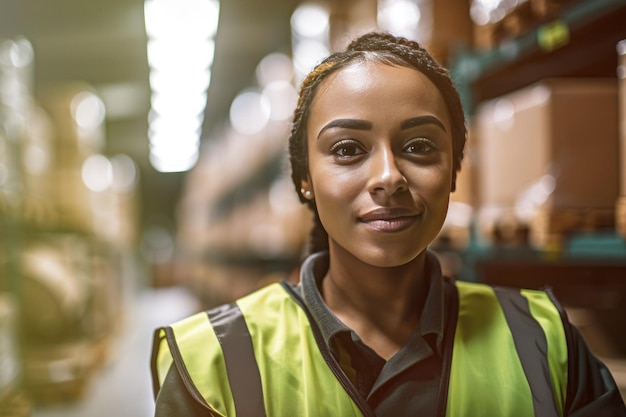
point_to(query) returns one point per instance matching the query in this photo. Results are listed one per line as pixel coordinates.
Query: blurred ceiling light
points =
(177, 104)
(400, 17)
(184, 137)
(181, 19)
(175, 55)
(19, 53)
(310, 20)
(282, 98)
(162, 80)
(88, 110)
(412, 19)
(97, 173)
(491, 11)
(307, 54)
(249, 112)
(173, 126)
(180, 54)
(177, 160)
(124, 173)
(274, 67)
(309, 37)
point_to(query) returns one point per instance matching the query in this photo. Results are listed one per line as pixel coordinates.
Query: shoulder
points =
(200, 327)
(193, 348)
(540, 302)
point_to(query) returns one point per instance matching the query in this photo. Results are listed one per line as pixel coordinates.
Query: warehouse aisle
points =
(122, 388)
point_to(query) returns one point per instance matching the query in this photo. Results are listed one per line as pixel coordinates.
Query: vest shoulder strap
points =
(237, 361)
(509, 355)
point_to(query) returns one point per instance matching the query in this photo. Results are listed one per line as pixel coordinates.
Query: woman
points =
(373, 329)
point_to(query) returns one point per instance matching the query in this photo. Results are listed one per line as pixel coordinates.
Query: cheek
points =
(336, 192)
(431, 180)
(333, 187)
(333, 179)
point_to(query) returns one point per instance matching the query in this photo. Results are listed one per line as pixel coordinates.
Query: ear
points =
(306, 189)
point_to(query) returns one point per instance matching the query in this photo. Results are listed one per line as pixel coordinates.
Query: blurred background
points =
(143, 173)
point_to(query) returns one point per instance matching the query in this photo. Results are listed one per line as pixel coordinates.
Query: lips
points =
(389, 219)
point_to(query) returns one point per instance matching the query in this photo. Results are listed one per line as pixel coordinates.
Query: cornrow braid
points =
(374, 47)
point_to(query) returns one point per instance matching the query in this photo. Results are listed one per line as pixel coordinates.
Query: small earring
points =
(307, 194)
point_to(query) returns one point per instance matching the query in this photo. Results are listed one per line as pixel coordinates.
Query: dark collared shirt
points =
(411, 377)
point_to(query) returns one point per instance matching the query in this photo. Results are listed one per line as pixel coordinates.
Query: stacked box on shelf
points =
(15, 101)
(549, 158)
(451, 28)
(58, 249)
(77, 128)
(71, 297)
(106, 210)
(620, 209)
(230, 230)
(507, 22)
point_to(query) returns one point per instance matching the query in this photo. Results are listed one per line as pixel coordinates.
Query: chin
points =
(385, 258)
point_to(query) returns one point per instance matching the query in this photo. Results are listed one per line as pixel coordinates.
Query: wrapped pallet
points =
(77, 116)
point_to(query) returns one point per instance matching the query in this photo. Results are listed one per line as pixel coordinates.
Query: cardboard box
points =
(552, 146)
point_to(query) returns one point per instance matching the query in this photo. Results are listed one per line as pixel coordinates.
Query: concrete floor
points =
(122, 388)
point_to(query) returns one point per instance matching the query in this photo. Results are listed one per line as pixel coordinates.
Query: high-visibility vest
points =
(263, 356)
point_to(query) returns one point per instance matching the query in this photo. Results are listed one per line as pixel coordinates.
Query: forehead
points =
(374, 88)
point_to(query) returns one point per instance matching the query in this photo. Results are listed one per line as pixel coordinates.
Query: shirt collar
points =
(311, 276)
(431, 329)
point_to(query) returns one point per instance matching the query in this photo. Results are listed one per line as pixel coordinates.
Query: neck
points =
(381, 304)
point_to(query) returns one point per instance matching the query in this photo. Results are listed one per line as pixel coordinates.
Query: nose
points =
(385, 175)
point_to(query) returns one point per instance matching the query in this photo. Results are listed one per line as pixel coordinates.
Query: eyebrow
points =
(357, 124)
(420, 121)
(354, 124)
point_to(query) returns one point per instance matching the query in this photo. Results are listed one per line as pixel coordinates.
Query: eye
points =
(420, 146)
(346, 149)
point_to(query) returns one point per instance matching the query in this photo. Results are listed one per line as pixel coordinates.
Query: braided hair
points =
(371, 47)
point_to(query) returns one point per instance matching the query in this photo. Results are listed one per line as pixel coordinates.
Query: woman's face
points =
(380, 162)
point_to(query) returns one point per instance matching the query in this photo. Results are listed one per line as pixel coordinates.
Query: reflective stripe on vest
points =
(236, 362)
(490, 363)
(294, 381)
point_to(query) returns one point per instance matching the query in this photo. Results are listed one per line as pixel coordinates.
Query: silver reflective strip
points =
(532, 349)
(243, 371)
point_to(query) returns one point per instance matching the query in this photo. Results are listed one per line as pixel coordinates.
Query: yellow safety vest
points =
(261, 356)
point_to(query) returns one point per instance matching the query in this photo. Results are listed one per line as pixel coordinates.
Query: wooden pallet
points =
(61, 374)
(552, 226)
(16, 404)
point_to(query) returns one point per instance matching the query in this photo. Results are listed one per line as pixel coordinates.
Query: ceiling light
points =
(180, 54)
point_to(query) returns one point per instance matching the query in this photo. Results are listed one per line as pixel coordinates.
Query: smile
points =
(389, 220)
